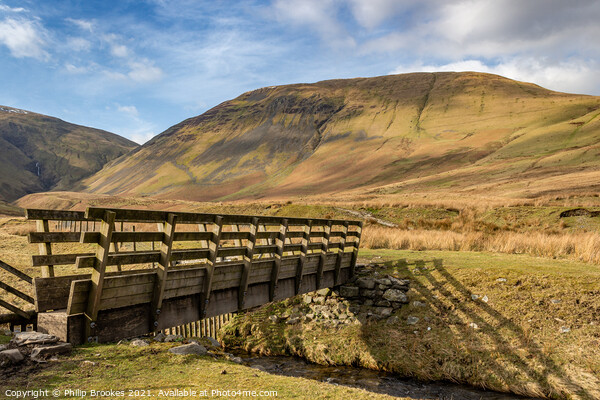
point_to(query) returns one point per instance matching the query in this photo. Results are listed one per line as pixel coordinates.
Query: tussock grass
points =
(581, 246)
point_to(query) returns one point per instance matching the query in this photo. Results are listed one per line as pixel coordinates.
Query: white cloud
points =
(371, 13)
(119, 50)
(82, 24)
(144, 71)
(72, 69)
(11, 9)
(130, 110)
(141, 137)
(78, 44)
(24, 38)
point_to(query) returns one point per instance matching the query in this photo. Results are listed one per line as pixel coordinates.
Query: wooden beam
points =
(213, 248)
(303, 252)
(98, 272)
(163, 269)
(54, 237)
(54, 215)
(45, 248)
(15, 309)
(16, 272)
(16, 292)
(323, 255)
(248, 257)
(356, 243)
(280, 242)
(340, 254)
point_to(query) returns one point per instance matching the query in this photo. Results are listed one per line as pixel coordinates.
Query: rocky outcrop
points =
(32, 346)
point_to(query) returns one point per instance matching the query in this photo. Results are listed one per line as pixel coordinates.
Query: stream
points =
(373, 381)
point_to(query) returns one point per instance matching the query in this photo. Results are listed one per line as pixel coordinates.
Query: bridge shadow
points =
(488, 341)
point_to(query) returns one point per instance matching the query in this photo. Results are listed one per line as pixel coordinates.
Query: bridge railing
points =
(161, 256)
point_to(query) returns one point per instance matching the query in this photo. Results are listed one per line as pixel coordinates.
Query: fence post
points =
(45, 248)
(163, 268)
(280, 242)
(98, 271)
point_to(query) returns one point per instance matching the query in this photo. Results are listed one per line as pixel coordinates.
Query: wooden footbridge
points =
(153, 270)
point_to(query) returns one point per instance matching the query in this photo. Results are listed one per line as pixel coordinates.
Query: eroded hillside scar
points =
(424, 103)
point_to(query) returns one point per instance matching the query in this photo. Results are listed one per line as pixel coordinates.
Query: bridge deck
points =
(175, 268)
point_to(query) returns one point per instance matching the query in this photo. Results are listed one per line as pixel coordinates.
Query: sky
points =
(136, 68)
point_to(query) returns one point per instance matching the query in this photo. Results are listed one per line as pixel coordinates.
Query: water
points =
(373, 381)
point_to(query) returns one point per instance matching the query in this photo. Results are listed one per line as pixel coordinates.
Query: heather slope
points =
(40, 153)
(411, 132)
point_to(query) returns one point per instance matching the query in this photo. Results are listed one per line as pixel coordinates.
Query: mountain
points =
(421, 132)
(39, 153)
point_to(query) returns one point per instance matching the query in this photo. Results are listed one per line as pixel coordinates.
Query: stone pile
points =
(32, 346)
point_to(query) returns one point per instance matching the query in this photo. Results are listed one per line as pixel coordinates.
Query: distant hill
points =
(412, 132)
(39, 153)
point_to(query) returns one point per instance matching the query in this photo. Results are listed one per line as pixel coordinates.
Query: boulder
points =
(412, 320)
(192, 348)
(307, 299)
(324, 292)
(172, 338)
(32, 338)
(383, 281)
(368, 293)
(395, 295)
(349, 291)
(160, 337)
(365, 283)
(139, 343)
(392, 320)
(384, 311)
(417, 303)
(47, 351)
(10, 357)
(214, 342)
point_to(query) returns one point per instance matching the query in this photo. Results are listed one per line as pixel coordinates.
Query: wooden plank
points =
(14, 309)
(248, 257)
(162, 269)
(279, 244)
(78, 296)
(213, 247)
(21, 275)
(54, 215)
(57, 259)
(338, 263)
(303, 253)
(16, 292)
(356, 243)
(54, 237)
(271, 235)
(98, 272)
(94, 237)
(192, 236)
(265, 248)
(323, 257)
(45, 248)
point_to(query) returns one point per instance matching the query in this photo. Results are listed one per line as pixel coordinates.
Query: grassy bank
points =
(145, 371)
(532, 330)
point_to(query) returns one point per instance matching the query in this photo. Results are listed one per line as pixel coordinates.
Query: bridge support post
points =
(162, 269)
(45, 248)
(247, 263)
(340, 254)
(280, 242)
(98, 271)
(303, 253)
(323, 256)
(355, 251)
(213, 249)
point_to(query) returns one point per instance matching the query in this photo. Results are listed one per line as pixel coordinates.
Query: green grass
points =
(512, 342)
(152, 369)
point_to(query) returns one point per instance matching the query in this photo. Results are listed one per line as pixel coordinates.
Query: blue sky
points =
(138, 67)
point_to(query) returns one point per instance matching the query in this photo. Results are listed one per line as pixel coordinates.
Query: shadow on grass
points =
(446, 294)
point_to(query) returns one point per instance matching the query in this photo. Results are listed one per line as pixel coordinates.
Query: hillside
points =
(459, 132)
(40, 153)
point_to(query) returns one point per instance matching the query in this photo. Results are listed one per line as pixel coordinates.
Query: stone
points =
(385, 311)
(9, 357)
(417, 303)
(273, 318)
(292, 321)
(485, 299)
(395, 295)
(383, 281)
(172, 338)
(365, 283)
(368, 302)
(473, 325)
(307, 299)
(349, 291)
(412, 320)
(324, 292)
(213, 342)
(501, 280)
(555, 301)
(368, 293)
(474, 296)
(383, 303)
(564, 329)
(192, 348)
(46, 351)
(237, 360)
(3, 347)
(31, 338)
(138, 343)
(392, 320)
(160, 337)
(88, 363)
